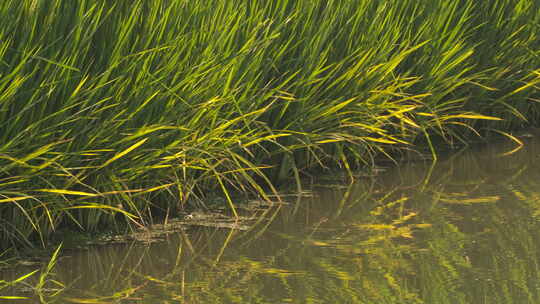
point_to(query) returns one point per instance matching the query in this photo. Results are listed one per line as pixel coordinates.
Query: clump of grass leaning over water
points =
(127, 107)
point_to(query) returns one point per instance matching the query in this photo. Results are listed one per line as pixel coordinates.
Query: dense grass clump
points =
(126, 107)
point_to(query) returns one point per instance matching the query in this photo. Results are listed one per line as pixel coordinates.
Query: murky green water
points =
(463, 230)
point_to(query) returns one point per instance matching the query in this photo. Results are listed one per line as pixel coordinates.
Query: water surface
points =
(462, 230)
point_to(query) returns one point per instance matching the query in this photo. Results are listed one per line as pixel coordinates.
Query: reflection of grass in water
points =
(377, 247)
(45, 287)
(476, 251)
(499, 238)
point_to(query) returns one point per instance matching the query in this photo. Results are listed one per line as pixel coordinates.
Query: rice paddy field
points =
(115, 111)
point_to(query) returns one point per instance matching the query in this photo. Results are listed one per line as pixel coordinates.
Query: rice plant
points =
(113, 110)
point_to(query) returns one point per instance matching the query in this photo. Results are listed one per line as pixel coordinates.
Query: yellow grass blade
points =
(101, 206)
(13, 298)
(380, 140)
(326, 141)
(158, 188)
(126, 151)
(471, 116)
(69, 192)
(86, 301)
(22, 278)
(483, 199)
(14, 199)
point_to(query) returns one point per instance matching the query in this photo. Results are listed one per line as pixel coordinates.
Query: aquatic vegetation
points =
(118, 111)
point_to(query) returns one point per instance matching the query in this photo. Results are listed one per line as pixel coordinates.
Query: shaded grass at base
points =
(114, 110)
